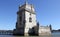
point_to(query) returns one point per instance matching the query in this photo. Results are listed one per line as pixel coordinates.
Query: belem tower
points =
(27, 24)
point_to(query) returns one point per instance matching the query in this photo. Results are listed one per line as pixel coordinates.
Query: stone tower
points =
(26, 19)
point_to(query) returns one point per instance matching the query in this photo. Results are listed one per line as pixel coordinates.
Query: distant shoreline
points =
(56, 30)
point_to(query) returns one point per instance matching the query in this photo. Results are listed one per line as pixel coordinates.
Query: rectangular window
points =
(30, 19)
(20, 18)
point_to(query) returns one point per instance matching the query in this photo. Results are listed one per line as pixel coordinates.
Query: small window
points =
(30, 19)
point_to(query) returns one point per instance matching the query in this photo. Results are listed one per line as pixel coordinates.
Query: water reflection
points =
(45, 35)
(35, 36)
(52, 35)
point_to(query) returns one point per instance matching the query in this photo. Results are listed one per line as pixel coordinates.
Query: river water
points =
(57, 34)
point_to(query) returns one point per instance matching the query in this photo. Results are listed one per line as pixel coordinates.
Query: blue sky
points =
(47, 11)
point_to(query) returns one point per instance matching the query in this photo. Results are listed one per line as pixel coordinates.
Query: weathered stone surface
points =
(26, 22)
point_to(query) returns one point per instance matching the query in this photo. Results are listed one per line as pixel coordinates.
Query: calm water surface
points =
(57, 34)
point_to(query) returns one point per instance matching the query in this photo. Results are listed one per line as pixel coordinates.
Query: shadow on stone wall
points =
(31, 32)
(17, 33)
(34, 30)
